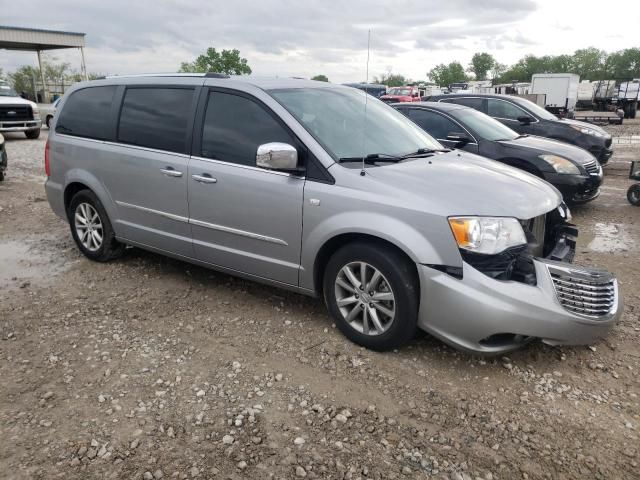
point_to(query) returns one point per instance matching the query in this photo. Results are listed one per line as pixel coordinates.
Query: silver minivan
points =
(321, 189)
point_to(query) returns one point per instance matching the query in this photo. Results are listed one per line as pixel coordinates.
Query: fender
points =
(78, 175)
(440, 250)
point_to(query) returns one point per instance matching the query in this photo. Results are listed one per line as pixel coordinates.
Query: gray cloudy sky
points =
(305, 38)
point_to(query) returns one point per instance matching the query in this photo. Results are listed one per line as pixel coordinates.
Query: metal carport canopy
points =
(37, 40)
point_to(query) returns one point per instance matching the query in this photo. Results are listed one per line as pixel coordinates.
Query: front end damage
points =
(500, 302)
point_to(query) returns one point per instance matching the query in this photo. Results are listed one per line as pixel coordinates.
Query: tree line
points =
(590, 63)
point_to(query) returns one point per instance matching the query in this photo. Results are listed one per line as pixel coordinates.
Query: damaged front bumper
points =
(483, 315)
(496, 305)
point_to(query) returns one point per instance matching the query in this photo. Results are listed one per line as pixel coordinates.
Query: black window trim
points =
(514, 105)
(449, 117)
(321, 174)
(190, 122)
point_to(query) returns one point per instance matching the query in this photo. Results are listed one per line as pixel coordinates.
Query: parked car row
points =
(526, 117)
(572, 170)
(294, 183)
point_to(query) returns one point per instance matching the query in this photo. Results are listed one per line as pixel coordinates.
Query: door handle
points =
(171, 172)
(204, 178)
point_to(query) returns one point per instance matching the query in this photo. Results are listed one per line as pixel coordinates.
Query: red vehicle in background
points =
(402, 94)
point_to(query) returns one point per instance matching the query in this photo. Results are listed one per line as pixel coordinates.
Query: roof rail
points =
(216, 75)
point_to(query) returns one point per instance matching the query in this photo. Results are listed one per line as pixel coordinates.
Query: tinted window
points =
(156, 118)
(467, 102)
(483, 125)
(235, 126)
(502, 109)
(436, 125)
(86, 113)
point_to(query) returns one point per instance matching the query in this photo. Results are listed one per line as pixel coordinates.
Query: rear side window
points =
(502, 109)
(436, 125)
(86, 113)
(475, 103)
(156, 118)
(235, 126)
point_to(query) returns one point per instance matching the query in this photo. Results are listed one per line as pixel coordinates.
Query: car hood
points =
(547, 146)
(461, 183)
(16, 101)
(590, 126)
(394, 97)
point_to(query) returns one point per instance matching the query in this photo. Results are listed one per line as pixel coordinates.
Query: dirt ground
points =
(150, 368)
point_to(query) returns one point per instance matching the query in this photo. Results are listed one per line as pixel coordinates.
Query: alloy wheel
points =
(365, 298)
(88, 227)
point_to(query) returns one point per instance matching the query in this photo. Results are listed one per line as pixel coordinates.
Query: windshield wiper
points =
(425, 152)
(372, 158)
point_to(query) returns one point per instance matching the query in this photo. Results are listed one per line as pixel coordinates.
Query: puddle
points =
(23, 264)
(610, 237)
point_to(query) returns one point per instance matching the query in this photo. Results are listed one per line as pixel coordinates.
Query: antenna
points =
(366, 100)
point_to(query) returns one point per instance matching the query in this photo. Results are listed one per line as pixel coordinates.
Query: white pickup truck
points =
(18, 114)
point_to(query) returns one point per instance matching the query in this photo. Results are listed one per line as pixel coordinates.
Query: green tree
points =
(589, 63)
(444, 75)
(391, 79)
(225, 61)
(481, 65)
(623, 64)
(23, 79)
(320, 78)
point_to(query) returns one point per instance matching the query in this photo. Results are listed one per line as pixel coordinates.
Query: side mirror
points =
(461, 139)
(525, 120)
(277, 156)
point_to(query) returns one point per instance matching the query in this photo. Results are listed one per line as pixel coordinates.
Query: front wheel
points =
(372, 293)
(32, 134)
(91, 228)
(633, 195)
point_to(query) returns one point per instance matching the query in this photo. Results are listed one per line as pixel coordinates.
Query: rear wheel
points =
(91, 228)
(32, 134)
(633, 195)
(1, 176)
(372, 293)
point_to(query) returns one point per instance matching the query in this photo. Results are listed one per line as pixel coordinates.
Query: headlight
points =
(36, 113)
(561, 164)
(488, 235)
(588, 131)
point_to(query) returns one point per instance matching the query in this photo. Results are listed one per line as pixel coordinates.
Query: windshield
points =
(400, 91)
(7, 91)
(335, 117)
(537, 109)
(485, 126)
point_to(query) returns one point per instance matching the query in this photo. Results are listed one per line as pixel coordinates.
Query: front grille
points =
(15, 113)
(591, 167)
(587, 292)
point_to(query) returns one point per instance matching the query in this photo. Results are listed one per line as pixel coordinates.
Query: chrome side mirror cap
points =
(277, 156)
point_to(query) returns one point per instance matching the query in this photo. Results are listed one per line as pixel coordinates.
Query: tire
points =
(48, 121)
(634, 109)
(398, 280)
(85, 204)
(633, 195)
(1, 176)
(32, 134)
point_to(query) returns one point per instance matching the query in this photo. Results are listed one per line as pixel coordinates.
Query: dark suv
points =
(524, 116)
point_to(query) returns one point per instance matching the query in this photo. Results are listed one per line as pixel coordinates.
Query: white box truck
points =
(561, 90)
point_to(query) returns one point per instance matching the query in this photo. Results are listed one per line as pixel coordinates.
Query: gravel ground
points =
(150, 368)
